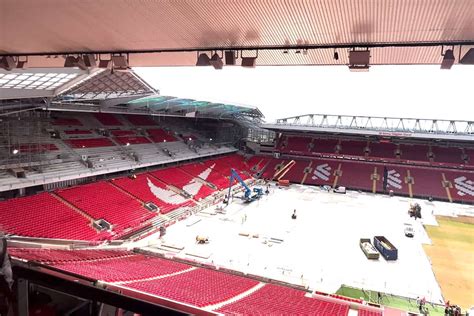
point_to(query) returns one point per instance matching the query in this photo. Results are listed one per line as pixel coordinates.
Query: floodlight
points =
(448, 59)
(468, 58)
(203, 60)
(7, 63)
(216, 61)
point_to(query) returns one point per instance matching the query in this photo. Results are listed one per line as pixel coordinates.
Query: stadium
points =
(118, 199)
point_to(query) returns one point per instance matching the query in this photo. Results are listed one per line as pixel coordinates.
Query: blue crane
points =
(248, 197)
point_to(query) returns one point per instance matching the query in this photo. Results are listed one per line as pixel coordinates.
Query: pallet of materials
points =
(368, 249)
(385, 247)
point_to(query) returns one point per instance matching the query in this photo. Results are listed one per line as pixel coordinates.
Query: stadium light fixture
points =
(448, 59)
(72, 61)
(359, 60)
(120, 62)
(203, 60)
(89, 60)
(22, 64)
(7, 63)
(468, 58)
(249, 62)
(216, 61)
(105, 63)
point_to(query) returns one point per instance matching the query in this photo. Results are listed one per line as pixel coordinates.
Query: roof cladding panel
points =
(104, 25)
(106, 84)
(163, 25)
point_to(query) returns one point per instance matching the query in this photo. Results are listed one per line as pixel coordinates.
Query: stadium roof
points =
(170, 32)
(376, 126)
(71, 84)
(161, 105)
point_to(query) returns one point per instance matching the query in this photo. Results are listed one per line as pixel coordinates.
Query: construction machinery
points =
(249, 195)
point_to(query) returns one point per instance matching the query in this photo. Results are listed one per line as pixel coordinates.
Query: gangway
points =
(281, 173)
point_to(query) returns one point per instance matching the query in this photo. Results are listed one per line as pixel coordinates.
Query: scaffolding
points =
(23, 139)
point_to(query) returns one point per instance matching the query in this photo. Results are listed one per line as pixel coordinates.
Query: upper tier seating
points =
(383, 150)
(414, 152)
(278, 300)
(132, 267)
(470, 156)
(107, 119)
(353, 148)
(184, 181)
(131, 140)
(121, 132)
(103, 200)
(44, 216)
(89, 142)
(296, 144)
(324, 146)
(141, 120)
(199, 287)
(148, 189)
(159, 135)
(184, 283)
(62, 256)
(447, 154)
(35, 148)
(77, 132)
(66, 122)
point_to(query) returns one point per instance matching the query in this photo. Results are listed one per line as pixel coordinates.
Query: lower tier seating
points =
(103, 200)
(205, 171)
(182, 180)
(44, 216)
(439, 183)
(148, 189)
(278, 300)
(199, 287)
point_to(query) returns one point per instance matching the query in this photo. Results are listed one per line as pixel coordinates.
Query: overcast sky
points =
(400, 91)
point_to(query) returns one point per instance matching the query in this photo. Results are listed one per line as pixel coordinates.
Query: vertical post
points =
(22, 297)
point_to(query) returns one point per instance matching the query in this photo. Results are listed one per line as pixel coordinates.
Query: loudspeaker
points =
(249, 62)
(230, 58)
